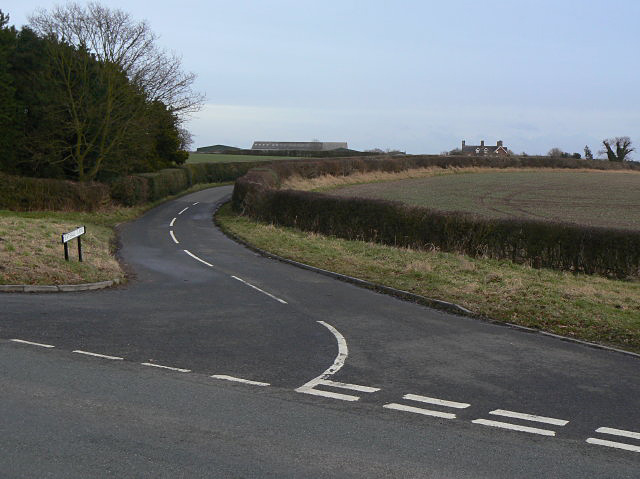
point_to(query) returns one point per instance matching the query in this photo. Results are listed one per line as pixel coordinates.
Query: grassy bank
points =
(31, 252)
(586, 307)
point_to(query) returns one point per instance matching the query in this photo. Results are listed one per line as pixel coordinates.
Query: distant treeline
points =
(337, 153)
(68, 112)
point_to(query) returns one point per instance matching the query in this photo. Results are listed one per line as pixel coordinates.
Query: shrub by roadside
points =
(21, 193)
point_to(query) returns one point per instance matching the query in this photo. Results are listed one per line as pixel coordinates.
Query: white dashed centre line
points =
(197, 202)
(197, 259)
(103, 356)
(22, 341)
(180, 370)
(172, 222)
(261, 290)
(183, 210)
(173, 237)
(239, 380)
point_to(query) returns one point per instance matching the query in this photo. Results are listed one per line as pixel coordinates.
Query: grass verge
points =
(31, 252)
(580, 306)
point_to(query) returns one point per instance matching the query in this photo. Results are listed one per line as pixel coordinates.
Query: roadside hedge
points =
(30, 194)
(21, 193)
(563, 246)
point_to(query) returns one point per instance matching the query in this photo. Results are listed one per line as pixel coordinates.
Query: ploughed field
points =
(595, 198)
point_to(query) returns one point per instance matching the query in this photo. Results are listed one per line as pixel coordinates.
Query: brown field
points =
(596, 198)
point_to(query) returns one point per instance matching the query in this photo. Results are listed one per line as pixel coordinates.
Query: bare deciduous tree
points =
(113, 36)
(555, 153)
(622, 145)
(111, 72)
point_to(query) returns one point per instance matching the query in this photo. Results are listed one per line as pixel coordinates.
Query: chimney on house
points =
(463, 142)
(499, 143)
(482, 143)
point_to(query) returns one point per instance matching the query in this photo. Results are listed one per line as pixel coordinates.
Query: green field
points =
(596, 198)
(222, 158)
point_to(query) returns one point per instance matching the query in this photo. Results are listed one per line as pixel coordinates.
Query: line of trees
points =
(615, 149)
(86, 94)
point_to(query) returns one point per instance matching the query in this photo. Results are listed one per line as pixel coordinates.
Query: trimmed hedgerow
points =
(218, 172)
(20, 193)
(166, 182)
(30, 194)
(556, 245)
(130, 190)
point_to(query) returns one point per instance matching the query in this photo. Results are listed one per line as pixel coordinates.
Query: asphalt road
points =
(313, 377)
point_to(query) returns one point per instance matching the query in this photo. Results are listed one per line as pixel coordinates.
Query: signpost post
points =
(66, 237)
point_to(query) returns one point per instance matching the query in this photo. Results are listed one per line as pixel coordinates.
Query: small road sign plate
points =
(72, 234)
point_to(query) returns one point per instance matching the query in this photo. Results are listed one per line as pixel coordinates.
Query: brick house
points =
(484, 150)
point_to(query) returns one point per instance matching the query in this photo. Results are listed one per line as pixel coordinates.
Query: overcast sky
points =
(418, 76)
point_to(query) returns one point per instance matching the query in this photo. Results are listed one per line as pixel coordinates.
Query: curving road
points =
(216, 362)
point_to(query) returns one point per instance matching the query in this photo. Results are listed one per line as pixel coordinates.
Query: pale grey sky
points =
(414, 75)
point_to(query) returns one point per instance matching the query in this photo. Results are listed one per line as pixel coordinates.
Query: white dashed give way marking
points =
(524, 417)
(428, 400)
(322, 380)
(183, 210)
(173, 237)
(224, 377)
(615, 444)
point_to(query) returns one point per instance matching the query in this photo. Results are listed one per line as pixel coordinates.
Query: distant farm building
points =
(484, 150)
(298, 145)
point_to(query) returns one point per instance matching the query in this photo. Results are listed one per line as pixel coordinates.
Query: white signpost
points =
(66, 237)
